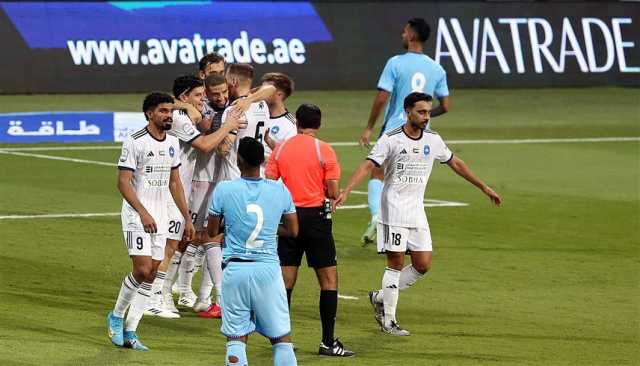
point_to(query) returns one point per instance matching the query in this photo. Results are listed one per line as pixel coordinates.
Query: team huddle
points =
(224, 180)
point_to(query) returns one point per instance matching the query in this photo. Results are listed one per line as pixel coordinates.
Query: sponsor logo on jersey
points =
(416, 150)
(172, 151)
(404, 151)
(150, 154)
(426, 150)
(162, 153)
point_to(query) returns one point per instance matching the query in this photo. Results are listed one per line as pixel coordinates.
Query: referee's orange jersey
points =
(304, 163)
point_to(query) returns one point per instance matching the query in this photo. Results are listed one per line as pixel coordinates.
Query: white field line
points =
(347, 297)
(353, 143)
(74, 160)
(427, 202)
(59, 216)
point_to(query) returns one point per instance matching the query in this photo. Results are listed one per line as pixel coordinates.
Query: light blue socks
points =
(374, 193)
(236, 354)
(283, 355)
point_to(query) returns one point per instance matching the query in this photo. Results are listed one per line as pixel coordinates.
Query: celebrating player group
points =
(200, 194)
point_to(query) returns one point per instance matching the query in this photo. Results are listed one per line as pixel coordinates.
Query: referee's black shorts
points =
(315, 238)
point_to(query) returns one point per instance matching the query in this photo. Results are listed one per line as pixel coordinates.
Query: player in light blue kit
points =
(253, 293)
(402, 75)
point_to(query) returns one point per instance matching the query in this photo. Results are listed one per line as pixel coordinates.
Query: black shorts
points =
(315, 238)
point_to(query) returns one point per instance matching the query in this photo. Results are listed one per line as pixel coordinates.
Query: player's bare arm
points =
(262, 93)
(268, 140)
(458, 166)
(229, 138)
(129, 194)
(363, 171)
(177, 192)
(213, 225)
(210, 142)
(289, 226)
(442, 108)
(194, 114)
(378, 104)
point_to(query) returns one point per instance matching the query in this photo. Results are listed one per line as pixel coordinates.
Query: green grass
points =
(550, 278)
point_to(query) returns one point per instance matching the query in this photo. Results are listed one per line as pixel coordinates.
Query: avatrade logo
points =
(169, 32)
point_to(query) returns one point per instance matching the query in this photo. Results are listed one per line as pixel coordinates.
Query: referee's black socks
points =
(328, 308)
(289, 292)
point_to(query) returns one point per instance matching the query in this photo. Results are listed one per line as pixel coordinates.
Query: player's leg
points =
(374, 192)
(392, 241)
(237, 321)
(321, 256)
(213, 275)
(272, 312)
(290, 252)
(169, 265)
(157, 305)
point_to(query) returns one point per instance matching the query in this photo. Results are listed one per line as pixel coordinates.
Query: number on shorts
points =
(395, 238)
(252, 243)
(139, 242)
(174, 226)
(417, 82)
(258, 135)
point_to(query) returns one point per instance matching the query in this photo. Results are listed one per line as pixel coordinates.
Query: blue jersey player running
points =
(402, 75)
(253, 293)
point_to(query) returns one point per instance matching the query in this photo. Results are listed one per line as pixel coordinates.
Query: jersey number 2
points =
(252, 243)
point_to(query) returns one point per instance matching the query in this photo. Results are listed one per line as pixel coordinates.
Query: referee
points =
(310, 170)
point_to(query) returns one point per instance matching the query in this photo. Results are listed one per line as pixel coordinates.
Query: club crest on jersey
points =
(275, 130)
(172, 151)
(426, 150)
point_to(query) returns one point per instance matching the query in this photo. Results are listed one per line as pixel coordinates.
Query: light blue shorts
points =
(254, 299)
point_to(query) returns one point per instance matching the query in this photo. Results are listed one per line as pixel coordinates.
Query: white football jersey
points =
(151, 161)
(256, 116)
(205, 168)
(407, 166)
(281, 128)
(186, 132)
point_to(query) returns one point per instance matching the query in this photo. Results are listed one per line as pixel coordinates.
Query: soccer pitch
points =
(550, 278)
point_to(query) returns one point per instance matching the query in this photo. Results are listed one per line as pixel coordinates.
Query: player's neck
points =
(308, 131)
(415, 47)
(411, 131)
(157, 133)
(243, 91)
(277, 110)
(251, 173)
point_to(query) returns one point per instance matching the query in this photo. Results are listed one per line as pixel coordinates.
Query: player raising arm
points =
(407, 154)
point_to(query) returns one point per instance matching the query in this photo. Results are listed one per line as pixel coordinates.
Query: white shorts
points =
(145, 244)
(403, 239)
(199, 203)
(176, 222)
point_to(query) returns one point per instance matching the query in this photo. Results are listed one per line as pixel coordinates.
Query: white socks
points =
(408, 277)
(206, 285)
(172, 270)
(128, 290)
(214, 266)
(156, 290)
(138, 306)
(390, 282)
(186, 269)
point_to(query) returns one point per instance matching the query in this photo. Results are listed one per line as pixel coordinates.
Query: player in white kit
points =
(188, 90)
(148, 179)
(407, 154)
(281, 125)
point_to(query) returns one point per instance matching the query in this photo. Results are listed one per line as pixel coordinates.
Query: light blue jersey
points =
(253, 293)
(252, 209)
(404, 74)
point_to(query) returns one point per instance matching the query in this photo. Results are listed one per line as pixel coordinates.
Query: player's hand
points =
(493, 196)
(243, 104)
(365, 138)
(148, 223)
(342, 198)
(189, 231)
(268, 140)
(235, 119)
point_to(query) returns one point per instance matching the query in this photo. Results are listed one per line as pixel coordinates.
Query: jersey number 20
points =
(252, 243)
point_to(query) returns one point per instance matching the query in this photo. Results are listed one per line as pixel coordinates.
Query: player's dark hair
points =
(214, 80)
(421, 28)
(251, 151)
(281, 81)
(309, 116)
(153, 100)
(242, 71)
(185, 84)
(415, 97)
(211, 58)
